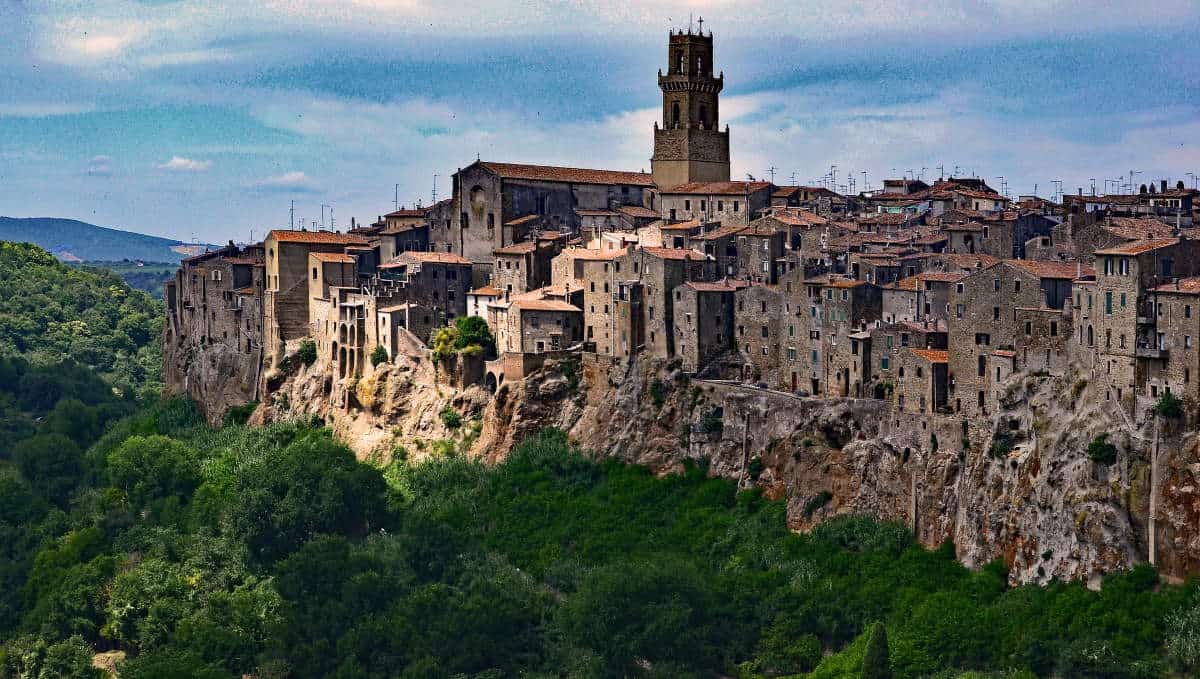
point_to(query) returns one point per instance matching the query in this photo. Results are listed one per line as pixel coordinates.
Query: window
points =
(1123, 300)
(884, 363)
(765, 334)
(491, 220)
(672, 214)
(1028, 328)
(314, 273)
(996, 284)
(995, 313)
(959, 288)
(982, 371)
(1016, 286)
(1187, 310)
(958, 311)
(1054, 328)
(720, 206)
(687, 204)
(703, 205)
(735, 206)
(1108, 302)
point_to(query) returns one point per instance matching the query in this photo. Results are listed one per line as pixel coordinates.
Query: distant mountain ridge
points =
(73, 241)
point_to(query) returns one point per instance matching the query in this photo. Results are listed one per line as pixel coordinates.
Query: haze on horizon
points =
(193, 119)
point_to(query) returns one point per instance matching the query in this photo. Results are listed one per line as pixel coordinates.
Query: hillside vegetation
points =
(79, 241)
(202, 553)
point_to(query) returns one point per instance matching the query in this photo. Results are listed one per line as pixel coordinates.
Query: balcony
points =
(1150, 352)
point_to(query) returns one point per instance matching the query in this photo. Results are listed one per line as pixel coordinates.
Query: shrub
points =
(473, 331)
(1001, 445)
(443, 344)
(656, 393)
(816, 502)
(1169, 406)
(451, 418)
(876, 664)
(1101, 451)
(756, 467)
(712, 423)
(1183, 636)
(308, 352)
(240, 415)
(378, 355)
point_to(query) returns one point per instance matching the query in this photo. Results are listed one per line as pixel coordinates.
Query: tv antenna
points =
(771, 170)
(291, 217)
(434, 194)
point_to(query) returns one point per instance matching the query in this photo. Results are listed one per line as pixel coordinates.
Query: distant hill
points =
(74, 241)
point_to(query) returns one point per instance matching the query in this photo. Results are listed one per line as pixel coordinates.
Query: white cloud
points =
(293, 182)
(99, 166)
(180, 164)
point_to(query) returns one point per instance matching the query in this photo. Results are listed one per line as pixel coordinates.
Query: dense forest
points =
(133, 532)
(150, 277)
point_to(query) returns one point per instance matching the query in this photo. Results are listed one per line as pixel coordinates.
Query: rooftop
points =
(544, 304)
(933, 355)
(522, 248)
(573, 175)
(676, 253)
(1048, 269)
(1138, 247)
(1189, 286)
(332, 257)
(719, 188)
(426, 257)
(320, 237)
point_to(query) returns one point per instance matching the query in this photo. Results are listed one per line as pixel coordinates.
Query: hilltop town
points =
(923, 309)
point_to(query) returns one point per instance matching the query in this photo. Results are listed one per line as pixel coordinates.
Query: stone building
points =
(216, 298)
(523, 266)
(724, 201)
(660, 271)
(704, 320)
(1176, 308)
(286, 297)
(989, 310)
(492, 200)
(690, 146)
(757, 315)
(435, 283)
(922, 297)
(922, 381)
(1124, 327)
(536, 324)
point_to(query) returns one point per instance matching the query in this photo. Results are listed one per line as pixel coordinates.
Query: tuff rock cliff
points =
(1018, 486)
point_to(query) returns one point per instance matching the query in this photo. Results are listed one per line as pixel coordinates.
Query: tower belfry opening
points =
(690, 146)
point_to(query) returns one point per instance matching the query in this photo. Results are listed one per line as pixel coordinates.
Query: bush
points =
(876, 664)
(473, 331)
(451, 418)
(1183, 636)
(656, 393)
(816, 502)
(308, 352)
(1101, 451)
(1169, 406)
(378, 355)
(756, 467)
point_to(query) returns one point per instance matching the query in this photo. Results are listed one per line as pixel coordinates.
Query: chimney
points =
(1081, 191)
(1163, 186)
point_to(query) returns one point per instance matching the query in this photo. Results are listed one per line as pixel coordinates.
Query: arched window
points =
(699, 65)
(675, 114)
(679, 67)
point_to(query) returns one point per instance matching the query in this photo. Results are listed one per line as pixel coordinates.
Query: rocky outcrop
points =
(1018, 486)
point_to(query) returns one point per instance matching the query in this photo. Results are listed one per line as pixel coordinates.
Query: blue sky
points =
(204, 119)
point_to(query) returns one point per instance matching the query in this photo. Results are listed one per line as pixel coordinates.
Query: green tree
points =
(875, 661)
(307, 353)
(473, 331)
(149, 468)
(52, 464)
(378, 355)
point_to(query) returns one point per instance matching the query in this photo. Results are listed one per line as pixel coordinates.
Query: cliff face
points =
(1018, 487)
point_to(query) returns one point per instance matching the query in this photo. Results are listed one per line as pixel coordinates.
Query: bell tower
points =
(690, 146)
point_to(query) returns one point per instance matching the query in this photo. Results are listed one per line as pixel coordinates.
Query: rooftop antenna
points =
(793, 180)
(771, 169)
(323, 206)
(332, 222)
(396, 198)
(833, 174)
(866, 186)
(941, 172)
(1093, 180)
(434, 189)
(1193, 176)
(922, 175)
(291, 216)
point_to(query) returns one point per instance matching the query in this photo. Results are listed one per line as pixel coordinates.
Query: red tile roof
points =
(638, 212)
(332, 257)
(1048, 269)
(321, 237)
(571, 175)
(675, 253)
(1188, 286)
(933, 355)
(426, 257)
(718, 188)
(485, 291)
(544, 305)
(1138, 247)
(522, 248)
(716, 286)
(407, 213)
(592, 255)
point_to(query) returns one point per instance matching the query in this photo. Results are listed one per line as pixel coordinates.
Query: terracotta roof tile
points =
(572, 175)
(718, 188)
(1138, 247)
(717, 286)
(321, 237)
(638, 212)
(332, 257)
(676, 254)
(522, 248)
(544, 305)
(1048, 269)
(426, 257)
(933, 355)
(1188, 286)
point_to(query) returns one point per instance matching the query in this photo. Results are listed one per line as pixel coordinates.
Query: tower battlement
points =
(689, 145)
